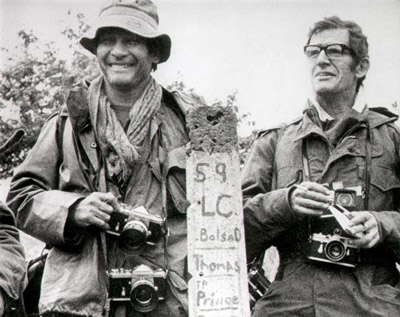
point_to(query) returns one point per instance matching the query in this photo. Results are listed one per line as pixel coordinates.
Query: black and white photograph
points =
(210, 158)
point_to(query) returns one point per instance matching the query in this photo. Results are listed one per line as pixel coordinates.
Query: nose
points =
(322, 58)
(119, 49)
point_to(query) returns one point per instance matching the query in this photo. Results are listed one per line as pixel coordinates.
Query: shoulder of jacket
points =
(395, 126)
(62, 111)
(185, 101)
(265, 132)
(279, 128)
(383, 116)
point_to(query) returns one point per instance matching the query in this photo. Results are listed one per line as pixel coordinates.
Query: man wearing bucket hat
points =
(118, 144)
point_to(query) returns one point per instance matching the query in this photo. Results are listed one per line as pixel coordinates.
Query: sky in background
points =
(252, 46)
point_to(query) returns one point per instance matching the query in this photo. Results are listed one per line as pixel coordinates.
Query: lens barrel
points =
(134, 235)
(335, 250)
(144, 296)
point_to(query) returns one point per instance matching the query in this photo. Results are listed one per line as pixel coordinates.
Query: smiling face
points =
(124, 59)
(333, 76)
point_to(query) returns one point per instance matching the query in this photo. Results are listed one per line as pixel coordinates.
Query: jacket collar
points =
(375, 117)
(78, 109)
(77, 105)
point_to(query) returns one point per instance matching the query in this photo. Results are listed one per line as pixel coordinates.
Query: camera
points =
(258, 284)
(135, 227)
(329, 241)
(346, 198)
(142, 287)
(333, 249)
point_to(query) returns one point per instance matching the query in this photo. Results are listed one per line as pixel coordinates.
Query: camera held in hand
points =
(142, 287)
(136, 227)
(346, 198)
(329, 241)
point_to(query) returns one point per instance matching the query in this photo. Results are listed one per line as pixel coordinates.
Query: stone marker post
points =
(216, 245)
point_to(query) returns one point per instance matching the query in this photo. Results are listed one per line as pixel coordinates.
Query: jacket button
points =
(93, 145)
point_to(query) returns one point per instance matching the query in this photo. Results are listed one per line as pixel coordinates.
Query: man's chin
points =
(323, 89)
(122, 84)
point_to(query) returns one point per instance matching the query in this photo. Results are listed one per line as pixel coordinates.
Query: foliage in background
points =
(34, 81)
(31, 86)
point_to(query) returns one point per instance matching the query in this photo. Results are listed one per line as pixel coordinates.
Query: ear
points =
(362, 67)
(155, 57)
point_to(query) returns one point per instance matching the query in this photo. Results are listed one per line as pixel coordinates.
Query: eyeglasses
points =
(331, 50)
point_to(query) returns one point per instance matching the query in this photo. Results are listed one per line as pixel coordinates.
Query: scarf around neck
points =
(120, 149)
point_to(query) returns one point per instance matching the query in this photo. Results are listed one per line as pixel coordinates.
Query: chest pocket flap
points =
(176, 177)
(384, 178)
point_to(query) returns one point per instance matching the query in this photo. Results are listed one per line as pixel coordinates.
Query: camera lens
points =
(335, 250)
(144, 296)
(133, 236)
(345, 199)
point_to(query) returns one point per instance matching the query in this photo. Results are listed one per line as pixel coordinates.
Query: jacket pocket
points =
(384, 189)
(74, 282)
(384, 178)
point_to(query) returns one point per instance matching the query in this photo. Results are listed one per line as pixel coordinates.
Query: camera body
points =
(335, 249)
(258, 284)
(135, 227)
(142, 287)
(329, 242)
(346, 198)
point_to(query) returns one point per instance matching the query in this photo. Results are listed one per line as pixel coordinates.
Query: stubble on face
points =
(124, 60)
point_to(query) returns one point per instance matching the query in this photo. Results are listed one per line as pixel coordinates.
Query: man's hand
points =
(310, 198)
(364, 225)
(95, 210)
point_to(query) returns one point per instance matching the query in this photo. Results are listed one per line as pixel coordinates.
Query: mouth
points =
(120, 66)
(324, 75)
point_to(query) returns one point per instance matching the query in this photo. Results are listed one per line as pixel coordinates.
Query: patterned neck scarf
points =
(122, 150)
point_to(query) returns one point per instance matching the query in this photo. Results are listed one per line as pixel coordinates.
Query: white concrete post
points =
(216, 244)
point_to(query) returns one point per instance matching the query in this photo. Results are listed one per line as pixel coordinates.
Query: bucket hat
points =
(136, 16)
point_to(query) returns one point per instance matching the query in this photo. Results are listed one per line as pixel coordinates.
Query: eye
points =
(334, 50)
(312, 51)
(106, 40)
(133, 40)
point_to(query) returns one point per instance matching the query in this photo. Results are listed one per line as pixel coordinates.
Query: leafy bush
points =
(34, 82)
(32, 86)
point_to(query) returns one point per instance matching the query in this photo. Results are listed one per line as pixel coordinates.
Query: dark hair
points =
(357, 40)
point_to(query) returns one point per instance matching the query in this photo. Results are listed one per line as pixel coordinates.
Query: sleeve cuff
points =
(73, 235)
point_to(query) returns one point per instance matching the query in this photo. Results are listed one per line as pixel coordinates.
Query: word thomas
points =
(211, 267)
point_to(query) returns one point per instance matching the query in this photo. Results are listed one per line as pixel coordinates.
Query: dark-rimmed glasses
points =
(331, 50)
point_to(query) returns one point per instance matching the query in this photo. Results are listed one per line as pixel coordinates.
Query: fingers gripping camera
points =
(135, 227)
(329, 241)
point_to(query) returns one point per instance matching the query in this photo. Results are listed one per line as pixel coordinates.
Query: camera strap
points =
(368, 164)
(304, 157)
(306, 175)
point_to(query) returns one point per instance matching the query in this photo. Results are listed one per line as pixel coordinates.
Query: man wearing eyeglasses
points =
(325, 190)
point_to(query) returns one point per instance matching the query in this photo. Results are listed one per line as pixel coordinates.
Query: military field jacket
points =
(275, 164)
(12, 258)
(53, 179)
